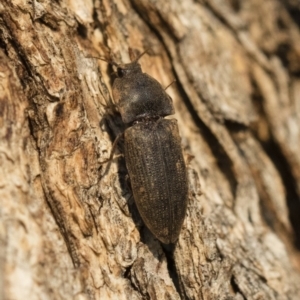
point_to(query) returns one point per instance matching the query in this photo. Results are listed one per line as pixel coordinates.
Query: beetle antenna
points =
(137, 58)
(170, 84)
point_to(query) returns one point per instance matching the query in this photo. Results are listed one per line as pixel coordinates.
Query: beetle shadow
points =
(162, 252)
(125, 185)
(113, 125)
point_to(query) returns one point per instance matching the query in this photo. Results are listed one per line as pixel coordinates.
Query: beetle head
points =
(123, 70)
(138, 95)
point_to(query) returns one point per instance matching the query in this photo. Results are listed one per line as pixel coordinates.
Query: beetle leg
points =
(113, 149)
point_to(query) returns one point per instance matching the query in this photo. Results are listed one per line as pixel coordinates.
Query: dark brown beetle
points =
(153, 151)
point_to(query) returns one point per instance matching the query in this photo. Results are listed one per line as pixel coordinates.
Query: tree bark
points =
(69, 227)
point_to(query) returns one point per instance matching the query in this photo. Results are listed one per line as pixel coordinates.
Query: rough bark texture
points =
(69, 228)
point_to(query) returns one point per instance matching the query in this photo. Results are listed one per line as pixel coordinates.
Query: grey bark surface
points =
(69, 228)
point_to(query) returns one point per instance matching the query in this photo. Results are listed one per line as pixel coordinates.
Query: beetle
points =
(152, 150)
